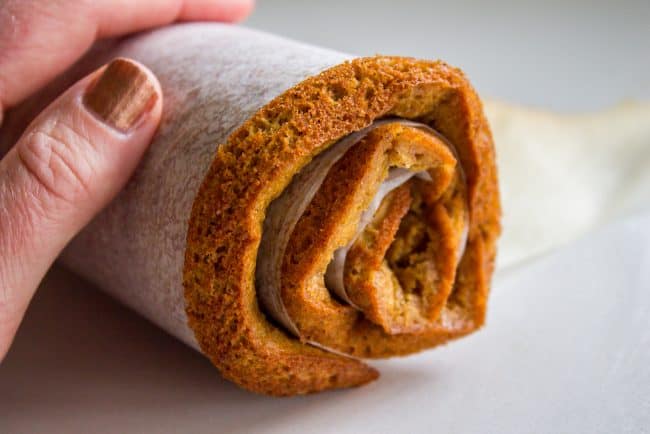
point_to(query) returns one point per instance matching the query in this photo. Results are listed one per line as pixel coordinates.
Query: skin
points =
(68, 164)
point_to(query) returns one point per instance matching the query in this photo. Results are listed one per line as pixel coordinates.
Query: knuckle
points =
(56, 157)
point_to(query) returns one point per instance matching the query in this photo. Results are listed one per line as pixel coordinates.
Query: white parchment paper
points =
(214, 77)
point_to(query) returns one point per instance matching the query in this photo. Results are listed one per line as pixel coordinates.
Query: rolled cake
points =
(300, 210)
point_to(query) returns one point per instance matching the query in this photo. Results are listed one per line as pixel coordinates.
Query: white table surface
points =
(567, 345)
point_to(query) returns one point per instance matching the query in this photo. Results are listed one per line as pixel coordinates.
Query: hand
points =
(80, 151)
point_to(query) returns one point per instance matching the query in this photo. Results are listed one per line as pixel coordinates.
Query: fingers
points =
(67, 165)
(41, 38)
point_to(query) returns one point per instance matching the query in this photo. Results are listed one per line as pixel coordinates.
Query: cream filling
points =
(284, 212)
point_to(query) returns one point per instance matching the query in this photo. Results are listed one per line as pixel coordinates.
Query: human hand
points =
(80, 151)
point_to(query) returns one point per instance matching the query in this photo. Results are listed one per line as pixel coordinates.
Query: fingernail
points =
(121, 95)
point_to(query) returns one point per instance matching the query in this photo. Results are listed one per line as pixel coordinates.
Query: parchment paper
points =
(563, 175)
(213, 78)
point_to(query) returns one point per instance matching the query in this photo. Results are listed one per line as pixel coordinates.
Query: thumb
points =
(70, 162)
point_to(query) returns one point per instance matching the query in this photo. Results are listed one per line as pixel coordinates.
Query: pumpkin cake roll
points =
(300, 210)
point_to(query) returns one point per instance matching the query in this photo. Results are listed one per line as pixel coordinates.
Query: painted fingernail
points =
(121, 95)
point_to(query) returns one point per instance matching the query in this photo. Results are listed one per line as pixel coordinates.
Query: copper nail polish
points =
(121, 95)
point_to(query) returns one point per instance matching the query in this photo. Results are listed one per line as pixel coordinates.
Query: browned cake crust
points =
(257, 163)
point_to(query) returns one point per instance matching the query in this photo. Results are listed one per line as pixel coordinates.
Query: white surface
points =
(566, 350)
(567, 344)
